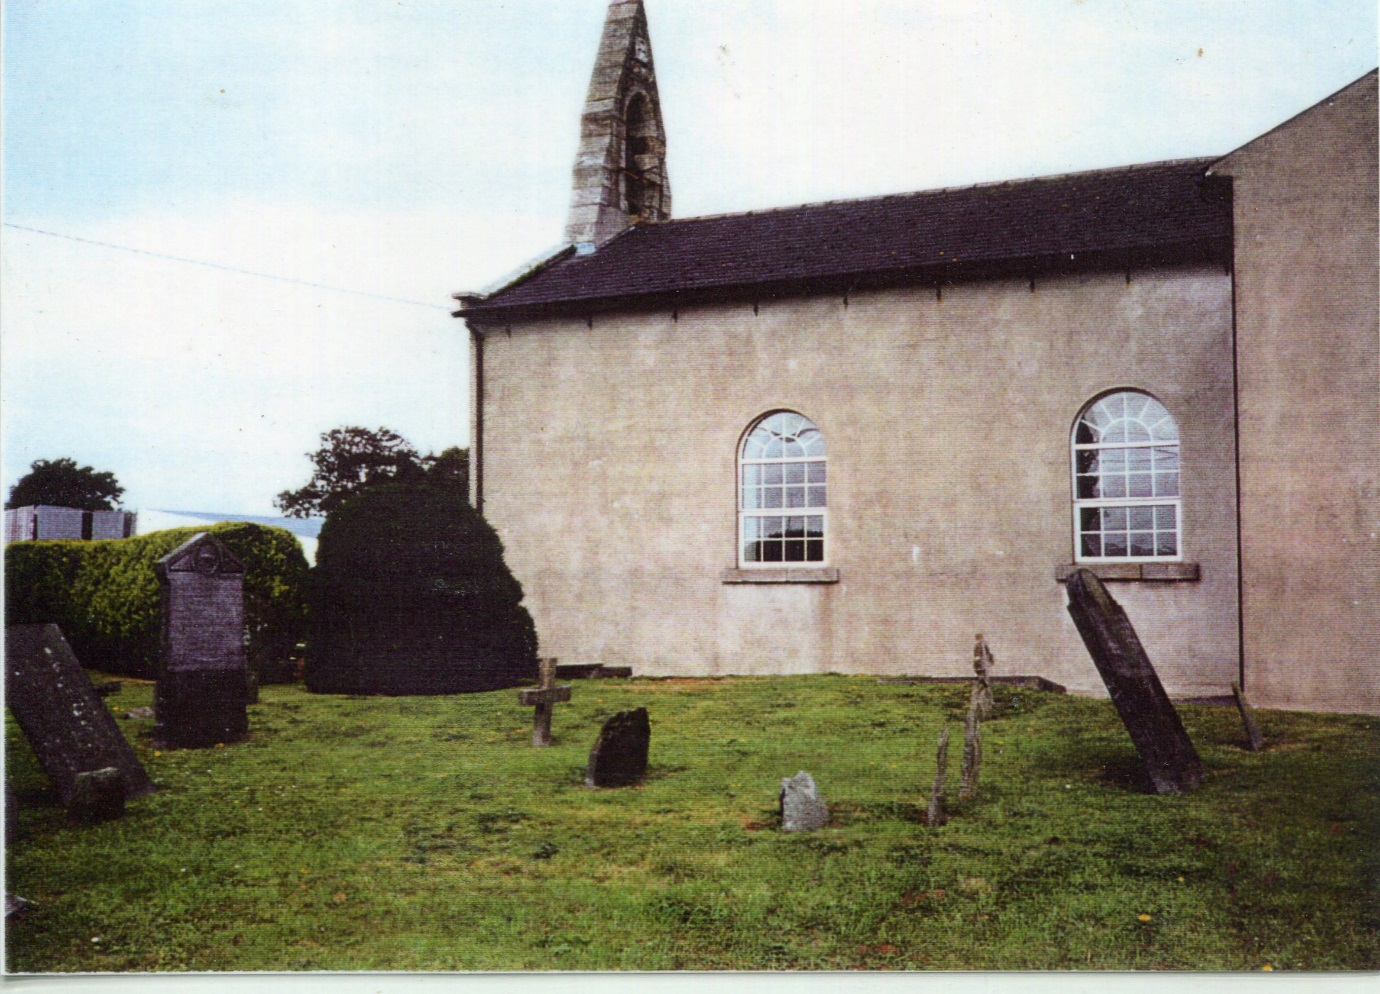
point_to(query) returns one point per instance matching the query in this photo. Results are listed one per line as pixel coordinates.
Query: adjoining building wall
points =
(609, 461)
(24, 524)
(1308, 354)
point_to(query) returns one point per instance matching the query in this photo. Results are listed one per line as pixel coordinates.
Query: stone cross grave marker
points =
(619, 756)
(201, 693)
(544, 697)
(71, 730)
(1139, 697)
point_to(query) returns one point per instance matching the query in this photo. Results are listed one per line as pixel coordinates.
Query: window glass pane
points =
(775, 422)
(1091, 519)
(1164, 517)
(771, 552)
(752, 475)
(1087, 434)
(1165, 544)
(752, 498)
(1166, 458)
(816, 471)
(1114, 519)
(751, 552)
(793, 450)
(1116, 433)
(1088, 461)
(816, 497)
(1142, 517)
(814, 527)
(1138, 460)
(791, 424)
(773, 527)
(1087, 487)
(1135, 403)
(795, 472)
(1140, 485)
(771, 497)
(813, 442)
(771, 474)
(1112, 460)
(1114, 543)
(795, 496)
(1114, 486)
(814, 552)
(1166, 484)
(773, 449)
(1137, 432)
(1142, 544)
(750, 529)
(795, 551)
(1092, 545)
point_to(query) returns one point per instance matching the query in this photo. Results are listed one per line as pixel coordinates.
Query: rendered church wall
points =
(1308, 342)
(610, 462)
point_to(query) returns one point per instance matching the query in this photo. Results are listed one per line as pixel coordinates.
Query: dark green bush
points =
(410, 595)
(106, 598)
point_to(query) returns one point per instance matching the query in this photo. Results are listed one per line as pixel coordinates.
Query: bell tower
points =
(620, 169)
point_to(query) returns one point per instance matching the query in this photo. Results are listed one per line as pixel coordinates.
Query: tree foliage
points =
(353, 459)
(62, 483)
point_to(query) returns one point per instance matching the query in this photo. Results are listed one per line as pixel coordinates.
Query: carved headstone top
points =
(71, 730)
(201, 554)
(203, 606)
(1136, 691)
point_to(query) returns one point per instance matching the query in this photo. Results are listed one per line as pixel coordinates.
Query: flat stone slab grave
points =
(619, 756)
(544, 697)
(202, 692)
(70, 728)
(1139, 697)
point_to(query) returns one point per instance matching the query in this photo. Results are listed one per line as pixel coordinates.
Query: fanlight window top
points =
(784, 435)
(1126, 418)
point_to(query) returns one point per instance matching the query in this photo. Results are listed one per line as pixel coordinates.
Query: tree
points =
(353, 459)
(62, 483)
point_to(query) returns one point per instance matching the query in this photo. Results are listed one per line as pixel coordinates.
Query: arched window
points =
(782, 492)
(1126, 480)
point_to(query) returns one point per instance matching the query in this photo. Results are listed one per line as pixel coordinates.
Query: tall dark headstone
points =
(619, 756)
(202, 692)
(1154, 725)
(71, 730)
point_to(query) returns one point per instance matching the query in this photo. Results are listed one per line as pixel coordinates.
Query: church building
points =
(846, 437)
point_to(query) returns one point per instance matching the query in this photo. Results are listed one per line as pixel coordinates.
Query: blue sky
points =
(411, 149)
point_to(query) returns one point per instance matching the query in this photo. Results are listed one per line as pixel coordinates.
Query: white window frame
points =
(1128, 503)
(811, 511)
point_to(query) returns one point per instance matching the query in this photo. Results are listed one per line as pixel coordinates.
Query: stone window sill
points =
(782, 574)
(1182, 572)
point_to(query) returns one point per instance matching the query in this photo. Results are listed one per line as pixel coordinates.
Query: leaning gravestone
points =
(619, 756)
(802, 809)
(1149, 717)
(64, 719)
(201, 694)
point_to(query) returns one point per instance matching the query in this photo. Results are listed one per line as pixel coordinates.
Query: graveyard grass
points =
(424, 833)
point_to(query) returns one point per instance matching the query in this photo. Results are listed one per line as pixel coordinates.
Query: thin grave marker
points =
(1139, 697)
(70, 728)
(544, 697)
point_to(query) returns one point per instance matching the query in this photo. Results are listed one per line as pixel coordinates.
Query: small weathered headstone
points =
(98, 796)
(544, 697)
(1149, 717)
(935, 814)
(142, 712)
(1243, 705)
(619, 756)
(982, 687)
(972, 755)
(201, 693)
(802, 809)
(64, 719)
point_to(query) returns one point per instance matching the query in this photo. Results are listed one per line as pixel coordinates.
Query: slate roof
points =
(1148, 212)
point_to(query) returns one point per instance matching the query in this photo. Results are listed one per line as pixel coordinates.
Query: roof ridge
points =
(1048, 177)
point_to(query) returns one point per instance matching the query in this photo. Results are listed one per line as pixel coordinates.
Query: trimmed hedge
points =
(106, 598)
(410, 595)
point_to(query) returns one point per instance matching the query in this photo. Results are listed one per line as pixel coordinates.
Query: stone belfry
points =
(620, 169)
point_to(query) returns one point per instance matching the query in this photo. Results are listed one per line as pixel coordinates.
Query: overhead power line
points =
(228, 269)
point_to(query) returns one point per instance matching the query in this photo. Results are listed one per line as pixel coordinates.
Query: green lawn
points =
(426, 834)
